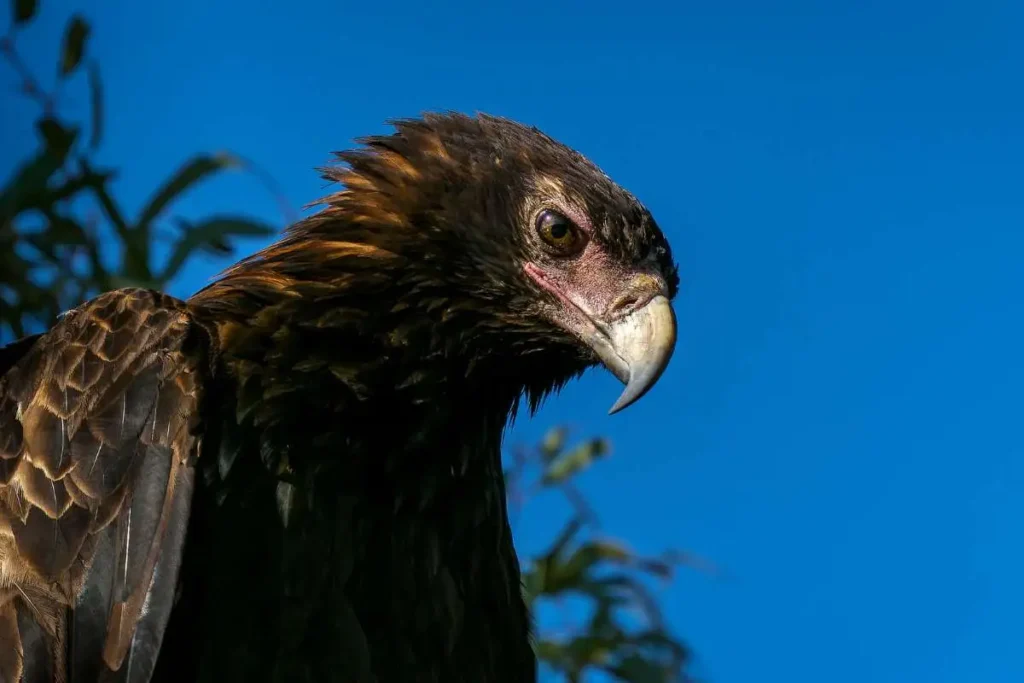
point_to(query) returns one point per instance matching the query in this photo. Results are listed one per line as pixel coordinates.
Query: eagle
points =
(295, 473)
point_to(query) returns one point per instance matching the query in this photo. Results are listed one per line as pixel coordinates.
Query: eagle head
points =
(519, 253)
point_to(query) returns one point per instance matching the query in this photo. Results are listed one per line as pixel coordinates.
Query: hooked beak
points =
(636, 347)
(629, 325)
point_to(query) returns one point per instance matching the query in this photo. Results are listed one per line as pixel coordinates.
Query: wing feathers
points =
(10, 657)
(50, 545)
(98, 424)
(38, 657)
(93, 607)
(148, 568)
(41, 491)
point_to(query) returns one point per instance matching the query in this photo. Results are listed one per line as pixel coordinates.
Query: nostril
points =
(624, 303)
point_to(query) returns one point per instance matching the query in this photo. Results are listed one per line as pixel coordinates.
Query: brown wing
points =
(98, 432)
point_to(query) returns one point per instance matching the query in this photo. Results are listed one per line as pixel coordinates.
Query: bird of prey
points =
(295, 474)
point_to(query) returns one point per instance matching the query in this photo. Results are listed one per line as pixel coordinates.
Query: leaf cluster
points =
(612, 622)
(59, 217)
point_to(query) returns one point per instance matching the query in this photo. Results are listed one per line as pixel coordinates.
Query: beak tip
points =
(628, 397)
(633, 392)
(648, 354)
(616, 408)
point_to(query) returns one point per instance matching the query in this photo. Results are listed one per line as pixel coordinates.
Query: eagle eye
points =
(558, 233)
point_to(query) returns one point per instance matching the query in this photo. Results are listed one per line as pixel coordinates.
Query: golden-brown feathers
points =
(105, 403)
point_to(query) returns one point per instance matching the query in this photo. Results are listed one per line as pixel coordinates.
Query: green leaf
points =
(107, 203)
(190, 173)
(24, 10)
(65, 230)
(28, 185)
(61, 231)
(569, 531)
(588, 650)
(30, 302)
(211, 234)
(570, 574)
(70, 187)
(13, 269)
(74, 45)
(553, 443)
(553, 653)
(533, 582)
(575, 461)
(616, 590)
(122, 280)
(637, 669)
(608, 550)
(218, 246)
(59, 140)
(96, 105)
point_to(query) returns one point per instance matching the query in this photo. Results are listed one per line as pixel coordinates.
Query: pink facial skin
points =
(590, 283)
(621, 311)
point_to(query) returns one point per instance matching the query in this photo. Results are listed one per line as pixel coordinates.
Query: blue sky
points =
(841, 182)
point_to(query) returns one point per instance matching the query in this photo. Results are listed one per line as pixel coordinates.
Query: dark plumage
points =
(315, 437)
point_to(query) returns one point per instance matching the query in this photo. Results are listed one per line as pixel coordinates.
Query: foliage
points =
(58, 215)
(58, 211)
(620, 630)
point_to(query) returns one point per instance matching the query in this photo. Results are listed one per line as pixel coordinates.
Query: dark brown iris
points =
(559, 233)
